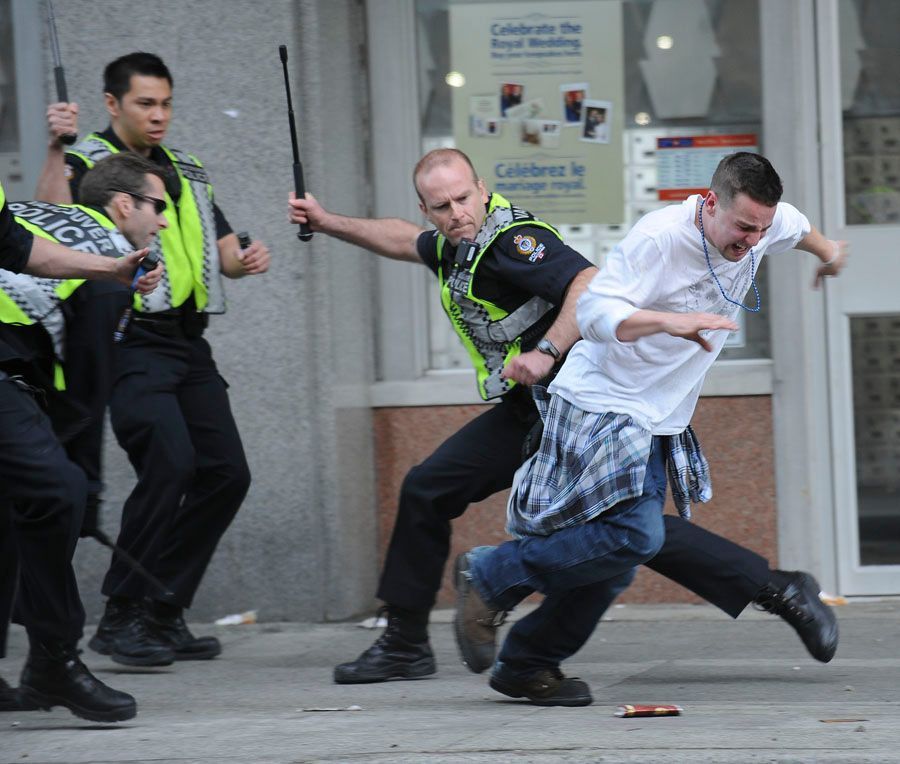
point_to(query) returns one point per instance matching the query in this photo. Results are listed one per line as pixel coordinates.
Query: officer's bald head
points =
(440, 158)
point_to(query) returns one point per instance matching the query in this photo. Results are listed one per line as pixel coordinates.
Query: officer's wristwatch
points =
(548, 348)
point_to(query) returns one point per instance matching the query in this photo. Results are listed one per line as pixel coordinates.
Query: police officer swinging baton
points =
(62, 92)
(304, 234)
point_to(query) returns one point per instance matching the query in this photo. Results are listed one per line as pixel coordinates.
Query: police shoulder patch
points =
(524, 244)
(528, 247)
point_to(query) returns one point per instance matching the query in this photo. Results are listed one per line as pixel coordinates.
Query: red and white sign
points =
(685, 164)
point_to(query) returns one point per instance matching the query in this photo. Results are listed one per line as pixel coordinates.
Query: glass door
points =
(859, 53)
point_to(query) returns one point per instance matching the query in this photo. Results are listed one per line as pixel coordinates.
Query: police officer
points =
(41, 492)
(511, 299)
(169, 407)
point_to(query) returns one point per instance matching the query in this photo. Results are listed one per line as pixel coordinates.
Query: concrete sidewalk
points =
(749, 691)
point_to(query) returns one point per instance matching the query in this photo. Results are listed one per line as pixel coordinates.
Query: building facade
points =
(344, 374)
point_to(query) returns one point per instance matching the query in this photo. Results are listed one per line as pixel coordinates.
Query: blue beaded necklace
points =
(719, 283)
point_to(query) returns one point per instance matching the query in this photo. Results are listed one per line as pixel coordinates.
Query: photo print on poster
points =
(572, 95)
(511, 94)
(595, 120)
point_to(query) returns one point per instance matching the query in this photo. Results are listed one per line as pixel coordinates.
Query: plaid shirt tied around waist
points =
(589, 462)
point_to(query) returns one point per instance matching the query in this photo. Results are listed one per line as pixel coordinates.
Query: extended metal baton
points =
(62, 92)
(299, 189)
(130, 561)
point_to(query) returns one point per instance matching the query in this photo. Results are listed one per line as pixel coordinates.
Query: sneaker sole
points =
(418, 670)
(471, 660)
(45, 702)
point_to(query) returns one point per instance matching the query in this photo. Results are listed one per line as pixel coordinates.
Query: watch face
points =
(545, 346)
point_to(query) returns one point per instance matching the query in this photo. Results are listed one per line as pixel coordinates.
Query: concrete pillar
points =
(296, 344)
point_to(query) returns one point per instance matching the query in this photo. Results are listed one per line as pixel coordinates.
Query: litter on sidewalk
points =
(237, 619)
(374, 622)
(629, 710)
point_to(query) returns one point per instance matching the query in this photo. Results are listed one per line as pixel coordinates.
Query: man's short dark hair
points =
(117, 75)
(436, 158)
(746, 173)
(126, 172)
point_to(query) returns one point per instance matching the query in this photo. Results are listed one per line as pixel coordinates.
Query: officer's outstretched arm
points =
(55, 261)
(388, 237)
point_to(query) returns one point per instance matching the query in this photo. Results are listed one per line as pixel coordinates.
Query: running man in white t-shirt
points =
(587, 507)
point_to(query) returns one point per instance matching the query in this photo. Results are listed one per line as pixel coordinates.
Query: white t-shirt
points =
(660, 265)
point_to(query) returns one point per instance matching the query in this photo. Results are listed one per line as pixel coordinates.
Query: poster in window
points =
(533, 73)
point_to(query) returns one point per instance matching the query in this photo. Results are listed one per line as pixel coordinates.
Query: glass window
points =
(9, 119)
(10, 139)
(870, 97)
(875, 342)
(691, 69)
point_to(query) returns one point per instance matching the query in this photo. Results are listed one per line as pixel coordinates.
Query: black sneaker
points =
(124, 635)
(475, 623)
(547, 687)
(392, 656)
(797, 602)
(55, 676)
(167, 624)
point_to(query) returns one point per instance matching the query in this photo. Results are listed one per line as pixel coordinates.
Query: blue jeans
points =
(580, 570)
(559, 627)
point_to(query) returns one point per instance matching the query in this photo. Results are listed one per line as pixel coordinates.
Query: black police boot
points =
(794, 595)
(55, 676)
(124, 635)
(167, 623)
(11, 699)
(401, 652)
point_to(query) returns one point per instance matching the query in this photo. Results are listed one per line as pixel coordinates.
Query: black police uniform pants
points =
(92, 314)
(481, 459)
(41, 503)
(170, 413)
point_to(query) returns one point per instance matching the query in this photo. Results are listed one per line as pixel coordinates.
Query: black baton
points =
(62, 92)
(130, 561)
(299, 188)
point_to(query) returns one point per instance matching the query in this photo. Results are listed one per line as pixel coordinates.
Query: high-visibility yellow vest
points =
(188, 246)
(491, 334)
(27, 300)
